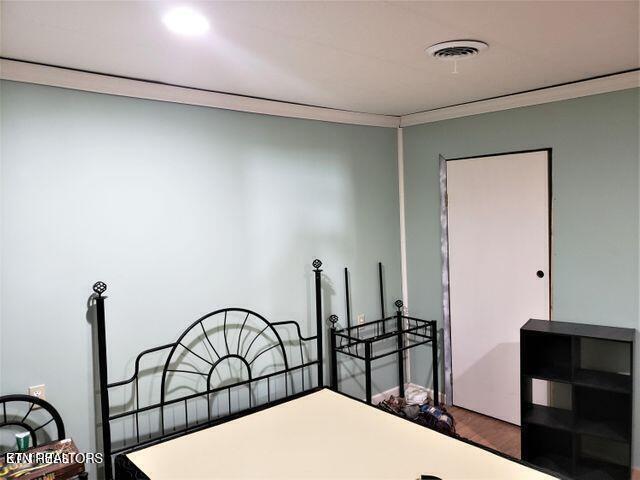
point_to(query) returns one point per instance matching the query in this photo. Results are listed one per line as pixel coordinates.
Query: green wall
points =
(595, 204)
(181, 210)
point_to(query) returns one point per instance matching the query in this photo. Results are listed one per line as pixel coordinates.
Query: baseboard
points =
(395, 391)
(384, 395)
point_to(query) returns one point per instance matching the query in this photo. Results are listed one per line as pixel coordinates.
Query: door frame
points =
(444, 247)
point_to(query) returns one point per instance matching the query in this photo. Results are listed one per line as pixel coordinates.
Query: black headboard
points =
(225, 335)
(16, 411)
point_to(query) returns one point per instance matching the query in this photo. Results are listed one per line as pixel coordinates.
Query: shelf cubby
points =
(594, 469)
(550, 448)
(550, 417)
(600, 459)
(607, 381)
(549, 358)
(603, 413)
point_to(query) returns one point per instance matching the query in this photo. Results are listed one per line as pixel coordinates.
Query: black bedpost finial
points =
(399, 304)
(316, 265)
(99, 288)
(333, 319)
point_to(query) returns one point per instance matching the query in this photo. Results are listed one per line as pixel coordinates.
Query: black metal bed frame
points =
(242, 355)
(353, 339)
(21, 421)
(361, 341)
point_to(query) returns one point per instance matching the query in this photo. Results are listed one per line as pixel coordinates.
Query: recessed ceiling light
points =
(185, 21)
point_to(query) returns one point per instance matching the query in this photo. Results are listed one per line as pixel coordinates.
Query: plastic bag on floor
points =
(416, 395)
(437, 418)
(426, 414)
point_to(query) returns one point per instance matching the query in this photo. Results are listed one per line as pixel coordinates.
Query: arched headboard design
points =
(264, 353)
(16, 411)
(234, 345)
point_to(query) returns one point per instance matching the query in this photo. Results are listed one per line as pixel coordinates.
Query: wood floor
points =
(487, 431)
(493, 433)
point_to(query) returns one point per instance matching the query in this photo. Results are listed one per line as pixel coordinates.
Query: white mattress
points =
(323, 435)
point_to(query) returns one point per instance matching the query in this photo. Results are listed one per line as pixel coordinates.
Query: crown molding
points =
(94, 82)
(28, 72)
(611, 83)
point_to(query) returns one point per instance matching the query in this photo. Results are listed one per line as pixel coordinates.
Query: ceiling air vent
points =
(457, 49)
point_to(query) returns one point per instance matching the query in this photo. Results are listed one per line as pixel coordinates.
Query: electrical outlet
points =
(38, 391)
(360, 318)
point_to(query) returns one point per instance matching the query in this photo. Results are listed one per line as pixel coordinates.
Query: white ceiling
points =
(356, 56)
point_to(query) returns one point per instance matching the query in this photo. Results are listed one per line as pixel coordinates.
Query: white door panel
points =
(498, 214)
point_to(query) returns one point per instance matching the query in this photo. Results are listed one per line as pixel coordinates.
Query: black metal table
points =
(371, 341)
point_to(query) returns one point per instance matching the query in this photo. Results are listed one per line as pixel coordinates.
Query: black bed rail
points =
(256, 337)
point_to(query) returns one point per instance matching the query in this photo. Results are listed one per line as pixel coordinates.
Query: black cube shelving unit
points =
(588, 436)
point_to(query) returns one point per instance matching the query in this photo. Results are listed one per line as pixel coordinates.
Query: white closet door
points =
(498, 214)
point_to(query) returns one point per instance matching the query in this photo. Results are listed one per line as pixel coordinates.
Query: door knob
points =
(540, 273)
